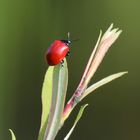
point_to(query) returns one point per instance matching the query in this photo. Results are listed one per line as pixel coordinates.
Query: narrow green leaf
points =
(46, 100)
(60, 80)
(76, 121)
(102, 82)
(12, 134)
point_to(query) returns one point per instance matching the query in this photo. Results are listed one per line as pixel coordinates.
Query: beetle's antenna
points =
(72, 39)
(75, 39)
(68, 35)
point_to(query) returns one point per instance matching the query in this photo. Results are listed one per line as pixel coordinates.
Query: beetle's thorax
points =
(67, 42)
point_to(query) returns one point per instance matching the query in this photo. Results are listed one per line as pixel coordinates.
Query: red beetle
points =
(57, 52)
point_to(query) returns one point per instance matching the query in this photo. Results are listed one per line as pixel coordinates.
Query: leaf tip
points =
(84, 106)
(125, 72)
(12, 134)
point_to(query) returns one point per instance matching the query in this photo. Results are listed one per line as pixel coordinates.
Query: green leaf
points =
(60, 81)
(76, 121)
(46, 100)
(12, 134)
(102, 82)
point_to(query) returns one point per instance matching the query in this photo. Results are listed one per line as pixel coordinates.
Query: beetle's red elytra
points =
(57, 52)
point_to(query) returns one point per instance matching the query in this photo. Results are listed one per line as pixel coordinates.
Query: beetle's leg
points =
(68, 53)
(62, 63)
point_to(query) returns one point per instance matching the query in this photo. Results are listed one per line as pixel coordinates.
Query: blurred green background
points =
(28, 27)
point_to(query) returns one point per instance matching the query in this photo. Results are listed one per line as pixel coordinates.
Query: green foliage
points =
(53, 98)
(102, 82)
(55, 87)
(60, 81)
(76, 121)
(46, 100)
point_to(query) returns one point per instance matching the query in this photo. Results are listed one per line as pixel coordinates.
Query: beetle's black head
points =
(67, 42)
